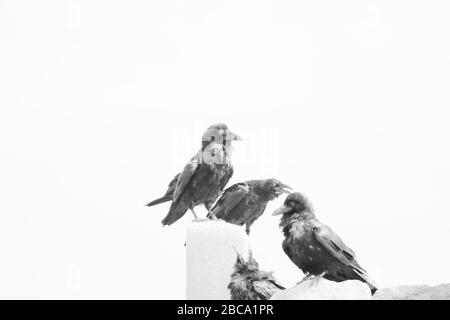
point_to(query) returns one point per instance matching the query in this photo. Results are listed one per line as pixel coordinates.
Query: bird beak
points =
(235, 137)
(282, 188)
(281, 210)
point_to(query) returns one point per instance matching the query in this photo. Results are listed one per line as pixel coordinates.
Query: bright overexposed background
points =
(103, 102)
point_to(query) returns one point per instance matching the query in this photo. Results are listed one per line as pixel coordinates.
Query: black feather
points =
(248, 282)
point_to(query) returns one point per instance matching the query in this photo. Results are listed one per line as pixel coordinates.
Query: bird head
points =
(216, 144)
(243, 266)
(272, 188)
(220, 134)
(245, 272)
(295, 204)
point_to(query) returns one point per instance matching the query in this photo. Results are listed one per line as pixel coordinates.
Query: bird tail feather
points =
(159, 200)
(365, 277)
(175, 213)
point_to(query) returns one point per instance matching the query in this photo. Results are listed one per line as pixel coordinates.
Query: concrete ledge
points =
(423, 292)
(326, 290)
(211, 255)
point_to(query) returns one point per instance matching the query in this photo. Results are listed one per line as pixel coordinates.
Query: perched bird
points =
(315, 248)
(204, 176)
(250, 283)
(244, 202)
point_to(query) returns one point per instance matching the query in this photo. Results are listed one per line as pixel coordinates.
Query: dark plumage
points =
(315, 248)
(169, 193)
(244, 202)
(250, 283)
(204, 177)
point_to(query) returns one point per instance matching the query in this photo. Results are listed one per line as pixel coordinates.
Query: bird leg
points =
(195, 215)
(211, 215)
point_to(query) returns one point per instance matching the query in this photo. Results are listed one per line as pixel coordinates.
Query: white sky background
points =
(103, 102)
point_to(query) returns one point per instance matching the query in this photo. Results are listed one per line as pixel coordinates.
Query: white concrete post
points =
(210, 258)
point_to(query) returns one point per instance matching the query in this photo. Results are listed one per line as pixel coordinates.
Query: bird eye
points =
(213, 138)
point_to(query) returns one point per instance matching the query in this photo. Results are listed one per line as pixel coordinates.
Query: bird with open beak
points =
(244, 202)
(203, 178)
(248, 282)
(315, 248)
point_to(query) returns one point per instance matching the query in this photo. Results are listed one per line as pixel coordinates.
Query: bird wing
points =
(287, 248)
(226, 177)
(265, 289)
(337, 248)
(270, 277)
(185, 176)
(172, 185)
(169, 193)
(257, 213)
(229, 199)
(334, 245)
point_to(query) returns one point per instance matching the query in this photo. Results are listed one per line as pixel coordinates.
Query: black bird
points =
(244, 202)
(315, 248)
(250, 283)
(204, 177)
